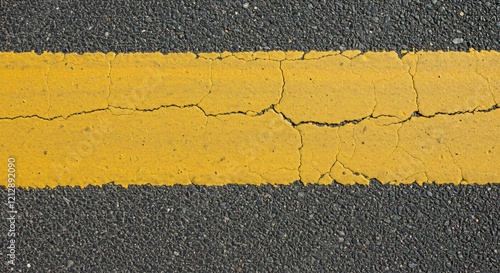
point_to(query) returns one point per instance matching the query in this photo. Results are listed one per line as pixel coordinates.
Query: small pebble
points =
(246, 5)
(458, 41)
(412, 265)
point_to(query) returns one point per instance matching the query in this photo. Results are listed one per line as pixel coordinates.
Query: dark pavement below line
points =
(258, 229)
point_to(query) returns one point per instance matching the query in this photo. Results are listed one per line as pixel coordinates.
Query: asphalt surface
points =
(245, 228)
(259, 229)
(205, 26)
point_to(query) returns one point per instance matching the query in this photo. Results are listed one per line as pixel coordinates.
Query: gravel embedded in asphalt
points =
(206, 26)
(267, 229)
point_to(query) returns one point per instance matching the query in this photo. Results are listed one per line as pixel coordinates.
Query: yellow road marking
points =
(251, 117)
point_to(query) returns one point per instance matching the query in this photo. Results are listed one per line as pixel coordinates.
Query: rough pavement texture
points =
(322, 228)
(248, 229)
(205, 26)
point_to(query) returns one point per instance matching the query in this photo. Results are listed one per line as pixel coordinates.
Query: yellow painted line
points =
(250, 118)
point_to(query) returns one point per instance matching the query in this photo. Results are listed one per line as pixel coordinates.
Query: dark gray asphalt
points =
(202, 25)
(259, 229)
(245, 228)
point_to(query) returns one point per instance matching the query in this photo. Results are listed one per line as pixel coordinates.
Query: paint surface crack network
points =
(274, 117)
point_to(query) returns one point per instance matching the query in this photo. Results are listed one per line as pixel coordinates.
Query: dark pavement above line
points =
(206, 26)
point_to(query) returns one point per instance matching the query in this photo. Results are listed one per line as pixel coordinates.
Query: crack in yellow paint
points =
(251, 117)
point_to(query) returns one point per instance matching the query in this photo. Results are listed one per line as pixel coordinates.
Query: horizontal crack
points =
(418, 115)
(254, 114)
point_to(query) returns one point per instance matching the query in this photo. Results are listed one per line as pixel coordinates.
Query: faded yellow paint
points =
(251, 117)
(340, 87)
(146, 81)
(165, 147)
(319, 54)
(390, 77)
(487, 67)
(84, 78)
(24, 93)
(316, 164)
(244, 86)
(450, 83)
